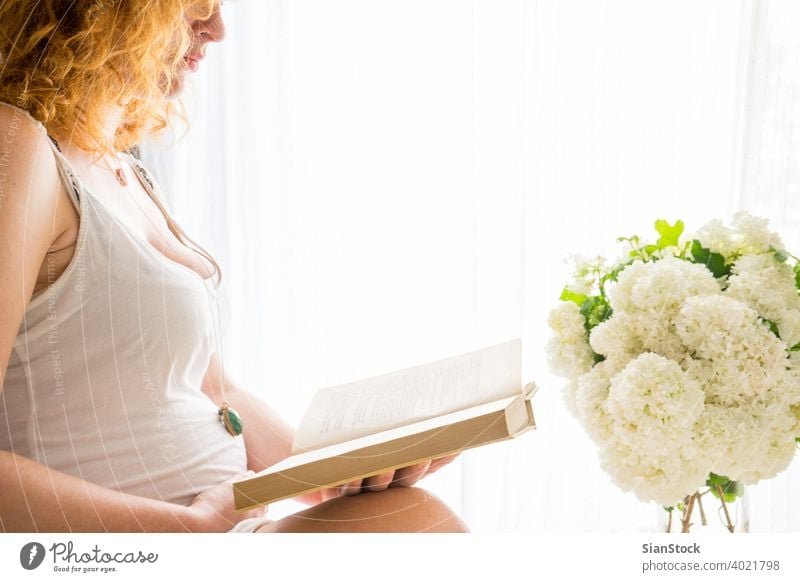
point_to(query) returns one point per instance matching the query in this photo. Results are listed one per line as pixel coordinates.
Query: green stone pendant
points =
(231, 419)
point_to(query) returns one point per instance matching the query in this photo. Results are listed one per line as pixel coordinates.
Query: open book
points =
(399, 419)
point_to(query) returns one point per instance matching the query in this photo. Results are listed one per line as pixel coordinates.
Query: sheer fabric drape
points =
(388, 183)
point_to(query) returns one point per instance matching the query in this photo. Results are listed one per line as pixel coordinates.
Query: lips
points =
(193, 60)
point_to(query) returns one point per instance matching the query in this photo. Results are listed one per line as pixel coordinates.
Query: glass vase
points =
(703, 512)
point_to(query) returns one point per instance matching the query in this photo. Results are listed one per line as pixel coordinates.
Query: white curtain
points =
(391, 182)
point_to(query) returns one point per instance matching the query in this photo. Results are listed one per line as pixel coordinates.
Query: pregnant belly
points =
(170, 461)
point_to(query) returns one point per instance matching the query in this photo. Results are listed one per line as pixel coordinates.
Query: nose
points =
(213, 29)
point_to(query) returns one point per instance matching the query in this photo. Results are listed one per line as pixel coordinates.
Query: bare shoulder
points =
(17, 128)
(23, 144)
(30, 184)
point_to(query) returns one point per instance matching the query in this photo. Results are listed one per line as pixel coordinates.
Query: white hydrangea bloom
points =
(653, 396)
(789, 326)
(718, 238)
(651, 294)
(616, 339)
(767, 286)
(568, 351)
(659, 289)
(665, 479)
(754, 235)
(747, 443)
(791, 389)
(736, 358)
(657, 334)
(590, 400)
(653, 405)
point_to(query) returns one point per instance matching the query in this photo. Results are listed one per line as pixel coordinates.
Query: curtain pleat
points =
(390, 183)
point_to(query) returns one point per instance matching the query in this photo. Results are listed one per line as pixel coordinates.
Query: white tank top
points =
(104, 377)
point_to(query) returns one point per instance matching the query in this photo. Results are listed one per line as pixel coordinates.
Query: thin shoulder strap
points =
(143, 175)
(149, 185)
(68, 177)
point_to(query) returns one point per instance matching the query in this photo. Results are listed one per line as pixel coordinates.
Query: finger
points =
(351, 488)
(437, 464)
(407, 476)
(378, 482)
(331, 493)
(257, 512)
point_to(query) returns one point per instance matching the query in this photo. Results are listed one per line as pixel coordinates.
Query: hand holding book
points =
(402, 477)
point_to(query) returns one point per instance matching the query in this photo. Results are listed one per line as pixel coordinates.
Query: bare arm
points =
(267, 436)
(36, 498)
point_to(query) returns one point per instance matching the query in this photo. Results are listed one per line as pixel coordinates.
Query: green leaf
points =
(613, 274)
(714, 479)
(595, 311)
(714, 262)
(577, 298)
(797, 275)
(730, 489)
(670, 234)
(773, 327)
(669, 509)
(795, 348)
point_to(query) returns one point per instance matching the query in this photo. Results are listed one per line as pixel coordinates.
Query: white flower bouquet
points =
(683, 361)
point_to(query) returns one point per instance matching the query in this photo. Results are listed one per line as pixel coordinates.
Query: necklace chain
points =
(227, 415)
(119, 173)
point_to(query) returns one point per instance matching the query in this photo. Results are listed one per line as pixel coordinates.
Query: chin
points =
(176, 90)
(176, 87)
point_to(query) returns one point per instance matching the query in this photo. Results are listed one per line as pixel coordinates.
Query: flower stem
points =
(698, 496)
(688, 507)
(669, 521)
(729, 525)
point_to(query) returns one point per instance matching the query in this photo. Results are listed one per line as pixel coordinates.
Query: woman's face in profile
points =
(203, 33)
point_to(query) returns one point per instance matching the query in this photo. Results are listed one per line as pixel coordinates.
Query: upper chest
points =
(131, 204)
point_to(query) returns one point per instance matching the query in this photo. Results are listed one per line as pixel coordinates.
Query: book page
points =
(350, 411)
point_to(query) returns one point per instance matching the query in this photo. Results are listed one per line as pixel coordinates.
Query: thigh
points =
(397, 509)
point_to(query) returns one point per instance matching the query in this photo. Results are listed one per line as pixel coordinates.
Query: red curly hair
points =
(65, 62)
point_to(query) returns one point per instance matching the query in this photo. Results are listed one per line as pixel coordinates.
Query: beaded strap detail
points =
(72, 179)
